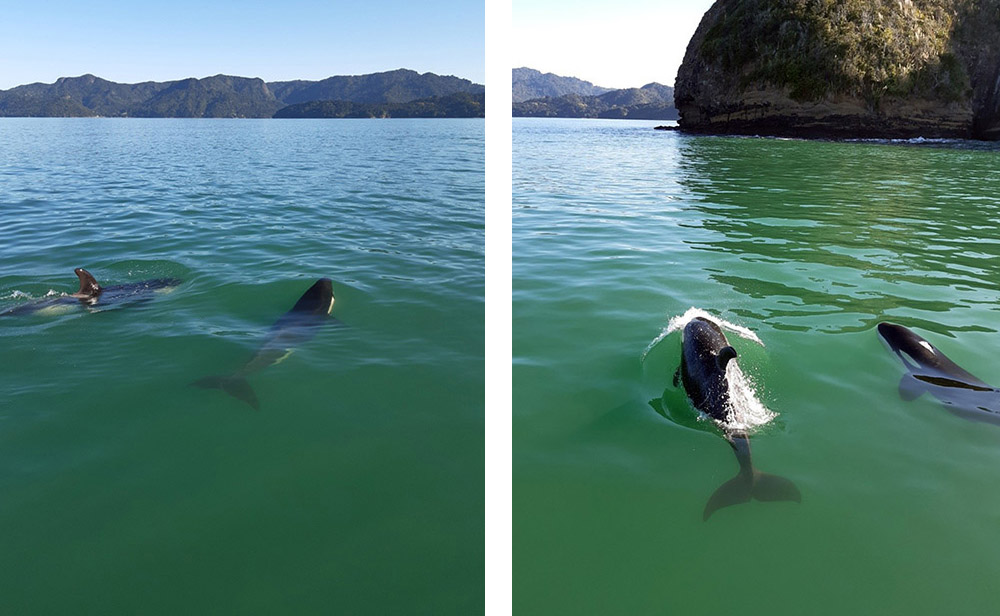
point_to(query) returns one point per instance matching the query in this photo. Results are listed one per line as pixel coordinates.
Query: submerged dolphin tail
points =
(235, 386)
(750, 484)
(754, 485)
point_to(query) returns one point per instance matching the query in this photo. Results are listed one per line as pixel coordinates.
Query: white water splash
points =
(678, 323)
(746, 411)
(15, 294)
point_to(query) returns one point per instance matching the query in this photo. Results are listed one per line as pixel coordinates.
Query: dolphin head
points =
(88, 284)
(318, 299)
(893, 334)
(902, 340)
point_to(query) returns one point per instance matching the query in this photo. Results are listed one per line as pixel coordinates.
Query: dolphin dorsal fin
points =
(726, 353)
(88, 284)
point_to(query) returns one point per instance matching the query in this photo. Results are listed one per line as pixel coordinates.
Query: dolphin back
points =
(922, 358)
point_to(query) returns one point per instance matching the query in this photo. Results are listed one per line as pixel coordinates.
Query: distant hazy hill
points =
(459, 105)
(653, 101)
(529, 84)
(221, 96)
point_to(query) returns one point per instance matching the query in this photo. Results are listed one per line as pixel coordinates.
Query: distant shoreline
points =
(398, 93)
(2, 118)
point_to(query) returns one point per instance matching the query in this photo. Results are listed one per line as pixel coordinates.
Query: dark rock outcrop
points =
(850, 68)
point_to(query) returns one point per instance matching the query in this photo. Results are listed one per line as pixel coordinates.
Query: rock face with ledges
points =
(844, 68)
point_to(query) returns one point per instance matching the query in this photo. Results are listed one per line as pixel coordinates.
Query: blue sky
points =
(275, 40)
(611, 43)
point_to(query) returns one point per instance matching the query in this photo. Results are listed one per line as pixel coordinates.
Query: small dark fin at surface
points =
(235, 386)
(88, 284)
(726, 353)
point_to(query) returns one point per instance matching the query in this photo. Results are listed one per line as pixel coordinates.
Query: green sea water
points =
(617, 228)
(357, 488)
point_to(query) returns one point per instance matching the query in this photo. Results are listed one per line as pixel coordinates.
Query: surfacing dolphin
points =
(293, 328)
(931, 371)
(706, 355)
(93, 294)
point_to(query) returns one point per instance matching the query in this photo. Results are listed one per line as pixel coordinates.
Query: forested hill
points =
(653, 101)
(460, 105)
(528, 84)
(220, 96)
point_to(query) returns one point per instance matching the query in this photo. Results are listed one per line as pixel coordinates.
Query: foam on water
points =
(746, 411)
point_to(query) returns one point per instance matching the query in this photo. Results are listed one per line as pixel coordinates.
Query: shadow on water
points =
(848, 230)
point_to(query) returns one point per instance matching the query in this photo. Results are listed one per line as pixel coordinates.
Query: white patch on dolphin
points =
(56, 310)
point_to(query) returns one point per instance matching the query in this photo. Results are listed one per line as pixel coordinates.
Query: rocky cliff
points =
(844, 68)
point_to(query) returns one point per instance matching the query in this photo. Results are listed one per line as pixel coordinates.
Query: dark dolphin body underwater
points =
(93, 294)
(931, 371)
(705, 356)
(294, 327)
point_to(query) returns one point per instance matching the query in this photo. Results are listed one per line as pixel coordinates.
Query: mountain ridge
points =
(529, 84)
(653, 101)
(219, 96)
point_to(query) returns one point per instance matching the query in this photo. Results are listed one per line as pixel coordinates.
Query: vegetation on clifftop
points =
(862, 48)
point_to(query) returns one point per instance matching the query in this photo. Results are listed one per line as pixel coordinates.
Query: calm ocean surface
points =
(618, 228)
(358, 486)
